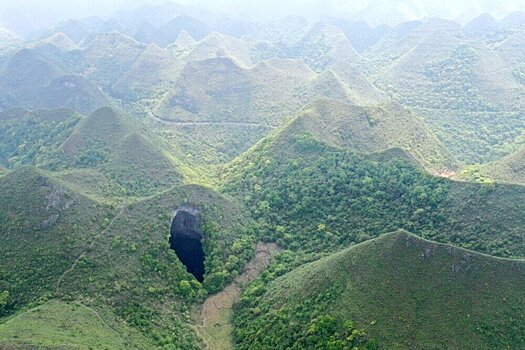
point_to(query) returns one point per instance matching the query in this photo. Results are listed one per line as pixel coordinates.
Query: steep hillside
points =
(508, 169)
(511, 48)
(106, 58)
(171, 30)
(220, 45)
(151, 168)
(461, 76)
(219, 90)
(39, 233)
(393, 292)
(405, 36)
(38, 78)
(97, 136)
(61, 41)
(372, 129)
(183, 44)
(320, 47)
(325, 46)
(466, 92)
(73, 239)
(121, 149)
(359, 89)
(23, 77)
(59, 324)
(310, 196)
(218, 104)
(360, 34)
(33, 137)
(154, 72)
(213, 89)
(154, 291)
(74, 92)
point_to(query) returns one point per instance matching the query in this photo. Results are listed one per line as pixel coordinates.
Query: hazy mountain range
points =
(257, 175)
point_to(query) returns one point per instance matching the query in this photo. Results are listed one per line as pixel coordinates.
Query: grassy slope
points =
(24, 75)
(466, 91)
(73, 91)
(263, 96)
(45, 226)
(408, 293)
(108, 57)
(153, 72)
(58, 243)
(508, 169)
(122, 150)
(131, 268)
(62, 325)
(372, 129)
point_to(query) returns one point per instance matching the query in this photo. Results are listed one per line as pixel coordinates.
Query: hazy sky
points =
(34, 14)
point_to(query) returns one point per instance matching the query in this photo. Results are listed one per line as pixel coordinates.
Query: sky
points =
(29, 15)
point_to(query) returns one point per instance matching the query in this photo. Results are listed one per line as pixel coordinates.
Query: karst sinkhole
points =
(186, 241)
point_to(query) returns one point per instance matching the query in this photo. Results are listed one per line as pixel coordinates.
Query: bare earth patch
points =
(214, 316)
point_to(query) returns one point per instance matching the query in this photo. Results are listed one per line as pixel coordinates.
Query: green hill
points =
(509, 49)
(108, 57)
(371, 130)
(153, 72)
(38, 78)
(97, 136)
(116, 261)
(468, 93)
(74, 92)
(170, 31)
(121, 149)
(184, 44)
(63, 325)
(141, 167)
(325, 45)
(221, 45)
(407, 36)
(309, 195)
(40, 221)
(236, 107)
(113, 149)
(320, 47)
(508, 169)
(395, 292)
(24, 75)
(268, 92)
(61, 41)
(33, 137)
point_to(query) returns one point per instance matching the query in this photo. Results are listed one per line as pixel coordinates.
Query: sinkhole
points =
(186, 241)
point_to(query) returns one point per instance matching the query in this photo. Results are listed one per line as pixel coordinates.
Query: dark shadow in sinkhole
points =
(186, 239)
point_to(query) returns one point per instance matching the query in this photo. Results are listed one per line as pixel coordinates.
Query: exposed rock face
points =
(186, 239)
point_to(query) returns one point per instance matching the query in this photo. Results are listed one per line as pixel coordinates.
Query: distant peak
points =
(185, 39)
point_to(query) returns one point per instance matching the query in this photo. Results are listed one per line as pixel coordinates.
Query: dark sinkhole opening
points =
(186, 240)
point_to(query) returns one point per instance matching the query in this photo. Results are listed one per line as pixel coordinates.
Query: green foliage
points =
(396, 289)
(290, 193)
(33, 138)
(453, 82)
(4, 300)
(296, 326)
(68, 325)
